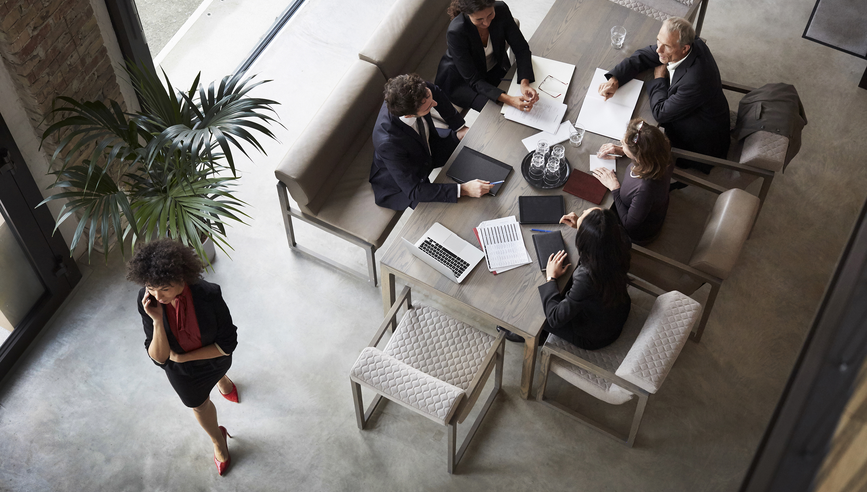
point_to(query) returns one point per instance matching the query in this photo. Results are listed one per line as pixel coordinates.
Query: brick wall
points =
(53, 48)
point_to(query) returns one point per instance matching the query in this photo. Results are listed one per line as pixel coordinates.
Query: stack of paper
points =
(552, 80)
(503, 244)
(552, 138)
(609, 118)
(546, 115)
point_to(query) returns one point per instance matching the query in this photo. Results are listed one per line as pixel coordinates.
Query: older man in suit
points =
(407, 146)
(686, 92)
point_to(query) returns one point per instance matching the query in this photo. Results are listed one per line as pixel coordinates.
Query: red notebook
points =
(585, 186)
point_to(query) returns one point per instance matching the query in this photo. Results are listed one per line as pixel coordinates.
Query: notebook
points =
(585, 186)
(547, 243)
(471, 164)
(446, 252)
(541, 209)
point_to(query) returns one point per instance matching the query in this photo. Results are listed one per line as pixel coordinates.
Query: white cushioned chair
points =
(432, 364)
(663, 9)
(635, 365)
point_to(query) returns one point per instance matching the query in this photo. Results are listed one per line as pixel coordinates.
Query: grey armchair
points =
(432, 364)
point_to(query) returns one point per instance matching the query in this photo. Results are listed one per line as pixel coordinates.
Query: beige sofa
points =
(326, 171)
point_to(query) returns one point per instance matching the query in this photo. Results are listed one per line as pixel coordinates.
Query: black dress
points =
(463, 72)
(194, 380)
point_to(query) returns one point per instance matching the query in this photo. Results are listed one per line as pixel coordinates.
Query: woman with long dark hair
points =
(188, 331)
(476, 58)
(642, 200)
(592, 311)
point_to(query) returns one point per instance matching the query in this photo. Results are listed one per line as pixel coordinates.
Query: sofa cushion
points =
(330, 143)
(411, 38)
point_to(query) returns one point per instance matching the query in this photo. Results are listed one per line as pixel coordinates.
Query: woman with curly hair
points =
(476, 59)
(188, 331)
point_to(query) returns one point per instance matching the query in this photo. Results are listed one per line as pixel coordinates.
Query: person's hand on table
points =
(556, 265)
(475, 188)
(462, 132)
(570, 219)
(606, 150)
(608, 88)
(660, 71)
(530, 96)
(152, 307)
(607, 178)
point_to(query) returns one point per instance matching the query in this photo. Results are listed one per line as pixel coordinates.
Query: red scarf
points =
(183, 322)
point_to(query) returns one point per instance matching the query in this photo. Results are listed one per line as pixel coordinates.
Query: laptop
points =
(446, 252)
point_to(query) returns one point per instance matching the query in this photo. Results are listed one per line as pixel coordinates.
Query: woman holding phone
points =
(188, 332)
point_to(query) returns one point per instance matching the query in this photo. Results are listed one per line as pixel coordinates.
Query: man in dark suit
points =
(686, 92)
(407, 146)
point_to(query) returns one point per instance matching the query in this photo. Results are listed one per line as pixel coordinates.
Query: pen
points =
(498, 182)
(540, 230)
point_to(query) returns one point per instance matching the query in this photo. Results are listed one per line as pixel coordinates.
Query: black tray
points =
(565, 171)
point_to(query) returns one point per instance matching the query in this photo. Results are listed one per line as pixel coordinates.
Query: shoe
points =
(232, 395)
(512, 337)
(222, 466)
(677, 185)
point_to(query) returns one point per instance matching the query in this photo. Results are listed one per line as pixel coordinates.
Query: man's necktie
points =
(420, 125)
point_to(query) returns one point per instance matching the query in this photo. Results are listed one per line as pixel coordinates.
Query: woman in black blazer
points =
(592, 311)
(476, 59)
(188, 331)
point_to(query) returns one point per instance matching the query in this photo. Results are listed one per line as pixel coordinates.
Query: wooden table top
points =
(574, 32)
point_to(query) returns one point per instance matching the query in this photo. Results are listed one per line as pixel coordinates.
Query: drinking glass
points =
(576, 135)
(618, 35)
(558, 151)
(537, 165)
(542, 147)
(552, 171)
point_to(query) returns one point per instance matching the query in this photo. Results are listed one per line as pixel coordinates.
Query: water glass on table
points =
(558, 151)
(576, 135)
(552, 171)
(537, 165)
(618, 35)
(542, 147)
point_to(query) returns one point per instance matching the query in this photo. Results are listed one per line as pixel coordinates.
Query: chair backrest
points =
(334, 136)
(725, 232)
(661, 339)
(765, 150)
(404, 36)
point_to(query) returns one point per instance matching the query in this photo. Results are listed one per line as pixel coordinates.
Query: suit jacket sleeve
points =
(690, 95)
(639, 208)
(405, 172)
(563, 308)
(446, 109)
(523, 56)
(147, 324)
(227, 332)
(641, 60)
(460, 47)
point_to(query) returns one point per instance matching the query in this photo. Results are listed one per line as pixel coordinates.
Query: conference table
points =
(574, 31)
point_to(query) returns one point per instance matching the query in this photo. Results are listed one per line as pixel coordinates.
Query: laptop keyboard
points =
(452, 261)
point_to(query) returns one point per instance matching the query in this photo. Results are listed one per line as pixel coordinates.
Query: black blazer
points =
(212, 314)
(692, 107)
(464, 62)
(401, 163)
(581, 310)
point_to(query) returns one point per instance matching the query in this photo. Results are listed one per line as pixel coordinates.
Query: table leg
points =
(863, 83)
(388, 294)
(529, 367)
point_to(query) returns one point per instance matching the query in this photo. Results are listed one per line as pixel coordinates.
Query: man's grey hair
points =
(684, 30)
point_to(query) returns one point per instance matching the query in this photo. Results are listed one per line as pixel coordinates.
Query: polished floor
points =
(85, 409)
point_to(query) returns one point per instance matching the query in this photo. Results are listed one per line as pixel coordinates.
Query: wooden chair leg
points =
(283, 195)
(358, 404)
(545, 367)
(636, 419)
(452, 430)
(705, 314)
(371, 264)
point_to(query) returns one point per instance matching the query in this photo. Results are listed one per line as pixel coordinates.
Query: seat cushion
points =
(608, 358)
(429, 396)
(661, 339)
(439, 345)
(410, 38)
(658, 9)
(765, 150)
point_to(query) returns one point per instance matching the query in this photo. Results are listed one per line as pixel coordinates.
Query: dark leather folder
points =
(547, 243)
(585, 186)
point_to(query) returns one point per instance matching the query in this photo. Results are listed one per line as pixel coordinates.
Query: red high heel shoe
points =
(232, 395)
(222, 466)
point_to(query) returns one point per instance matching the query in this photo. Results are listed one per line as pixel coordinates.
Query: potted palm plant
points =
(167, 170)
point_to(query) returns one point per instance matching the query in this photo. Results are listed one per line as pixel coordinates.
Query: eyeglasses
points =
(553, 86)
(637, 132)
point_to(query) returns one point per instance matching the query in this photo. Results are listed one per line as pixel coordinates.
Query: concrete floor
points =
(85, 409)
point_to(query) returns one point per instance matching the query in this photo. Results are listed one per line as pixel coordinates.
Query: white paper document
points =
(553, 138)
(552, 78)
(545, 115)
(503, 244)
(596, 163)
(609, 118)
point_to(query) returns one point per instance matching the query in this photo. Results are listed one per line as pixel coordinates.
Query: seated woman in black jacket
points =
(592, 311)
(476, 59)
(642, 200)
